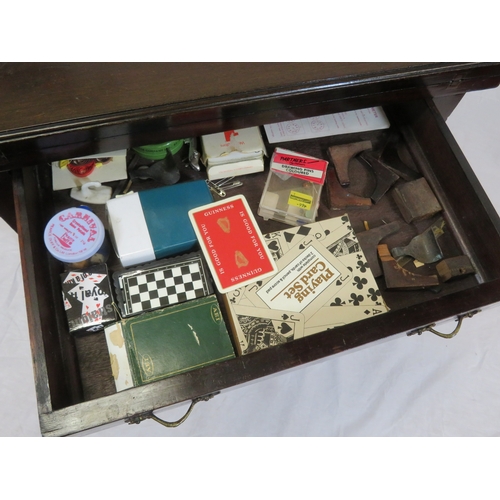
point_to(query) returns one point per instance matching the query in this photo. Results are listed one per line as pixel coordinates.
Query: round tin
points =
(76, 236)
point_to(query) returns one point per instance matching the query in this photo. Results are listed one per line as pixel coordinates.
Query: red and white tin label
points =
(74, 235)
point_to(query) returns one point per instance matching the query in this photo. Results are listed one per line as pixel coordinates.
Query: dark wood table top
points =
(38, 95)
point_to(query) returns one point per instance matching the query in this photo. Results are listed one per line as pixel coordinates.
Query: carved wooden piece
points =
(398, 277)
(339, 198)
(454, 267)
(385, 177)
(342, 154)
(416, 201)
(369, 241)
(391, 158)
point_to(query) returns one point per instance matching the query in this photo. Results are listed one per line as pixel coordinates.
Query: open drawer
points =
(73, 379)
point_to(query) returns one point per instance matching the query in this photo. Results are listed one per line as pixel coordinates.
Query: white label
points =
(299, 283)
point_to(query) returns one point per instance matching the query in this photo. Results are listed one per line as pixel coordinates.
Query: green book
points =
(166, 342)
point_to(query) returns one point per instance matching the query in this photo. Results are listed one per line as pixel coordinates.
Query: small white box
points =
(233, 153)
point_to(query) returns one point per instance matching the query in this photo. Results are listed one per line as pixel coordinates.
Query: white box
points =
(233, 153)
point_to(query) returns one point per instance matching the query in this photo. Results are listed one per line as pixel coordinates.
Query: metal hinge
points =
(430, 328)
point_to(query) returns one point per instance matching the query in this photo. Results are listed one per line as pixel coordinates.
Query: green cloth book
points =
(166, 342)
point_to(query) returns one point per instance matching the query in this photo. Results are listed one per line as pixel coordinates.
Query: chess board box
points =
(88, 300)
(323, 282)
(162, 283)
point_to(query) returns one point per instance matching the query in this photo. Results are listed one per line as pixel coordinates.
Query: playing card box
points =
(88, 300)
(166, 342)
(162, 283)
(232, 243)
(323, 281)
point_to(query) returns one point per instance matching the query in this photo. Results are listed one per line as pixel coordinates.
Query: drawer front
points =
(72, 398)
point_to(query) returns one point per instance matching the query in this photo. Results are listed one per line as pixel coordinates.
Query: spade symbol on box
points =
(285, 328)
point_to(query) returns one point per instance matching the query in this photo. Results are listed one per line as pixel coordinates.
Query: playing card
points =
(335, 315)
(258, 329)
(232, 243)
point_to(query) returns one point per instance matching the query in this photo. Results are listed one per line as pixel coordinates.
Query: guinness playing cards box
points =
(232, 243)
(323, 281)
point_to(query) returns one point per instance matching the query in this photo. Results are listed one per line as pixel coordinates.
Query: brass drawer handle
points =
(139, 418)
(429, 328)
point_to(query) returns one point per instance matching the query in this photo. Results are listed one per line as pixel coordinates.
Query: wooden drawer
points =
(75, 395)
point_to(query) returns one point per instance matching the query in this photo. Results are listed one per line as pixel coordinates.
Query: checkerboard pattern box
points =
(167, 282)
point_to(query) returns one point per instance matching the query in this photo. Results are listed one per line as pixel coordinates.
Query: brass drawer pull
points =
(139, 418)
(429, 328)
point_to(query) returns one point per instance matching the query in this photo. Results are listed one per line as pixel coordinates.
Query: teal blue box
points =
(154, 224)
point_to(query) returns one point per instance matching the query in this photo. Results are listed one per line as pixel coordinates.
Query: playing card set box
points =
(88, 300)
(323, 281)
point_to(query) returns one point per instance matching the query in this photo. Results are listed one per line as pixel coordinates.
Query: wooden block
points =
(392, 160)
(416, 201)
(454, 267)
(369, 241)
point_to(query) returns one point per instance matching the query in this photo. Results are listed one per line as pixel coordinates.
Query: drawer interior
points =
(74, 372)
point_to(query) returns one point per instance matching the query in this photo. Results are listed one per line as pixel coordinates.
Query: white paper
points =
(301, 275)
(360, 120)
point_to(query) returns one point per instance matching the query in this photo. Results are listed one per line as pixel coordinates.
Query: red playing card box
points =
(232, 243)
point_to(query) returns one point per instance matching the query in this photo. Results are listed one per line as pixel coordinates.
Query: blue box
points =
(154, 224)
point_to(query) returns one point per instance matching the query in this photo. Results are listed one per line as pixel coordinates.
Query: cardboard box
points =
(160, 344)
(88, 299)
(323, 281)
(233, 153)
(154, 223)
